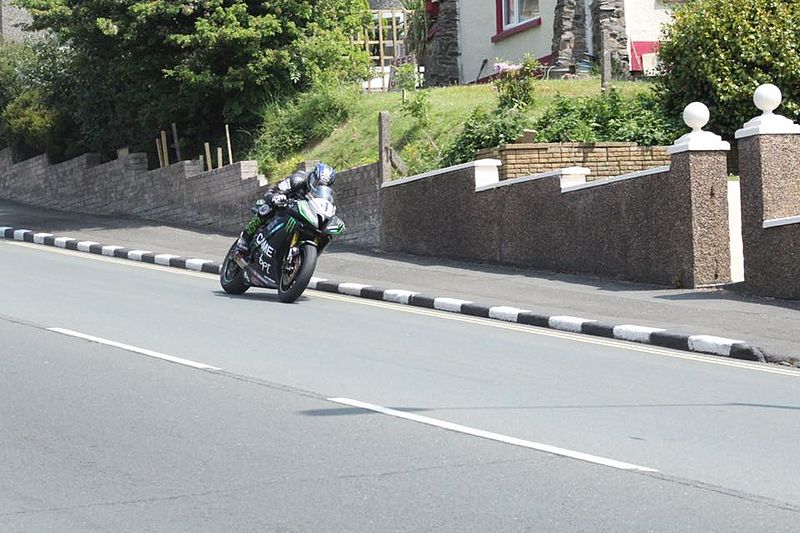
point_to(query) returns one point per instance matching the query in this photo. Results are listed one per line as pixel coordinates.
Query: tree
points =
(134, 66)
(719, 52)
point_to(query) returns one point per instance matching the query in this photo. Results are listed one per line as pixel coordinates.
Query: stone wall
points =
(442, 57)
(769, 167)
(181, 194)
(569, 31)
(665, 226)
(603, 159)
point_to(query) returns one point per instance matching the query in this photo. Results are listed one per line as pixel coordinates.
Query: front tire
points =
(292, 283)
(231, 276)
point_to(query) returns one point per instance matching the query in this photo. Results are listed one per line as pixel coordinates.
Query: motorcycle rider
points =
(296, 185)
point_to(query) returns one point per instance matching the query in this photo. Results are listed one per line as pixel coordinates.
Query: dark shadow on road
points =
(256, 294)
(348, 411)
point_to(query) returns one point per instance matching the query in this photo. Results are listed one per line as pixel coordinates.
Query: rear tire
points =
(290, 287)
(231, 276)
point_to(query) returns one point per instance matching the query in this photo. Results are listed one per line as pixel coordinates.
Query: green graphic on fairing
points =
(301, 207)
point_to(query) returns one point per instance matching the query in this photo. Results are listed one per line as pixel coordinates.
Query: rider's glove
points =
(278, 199)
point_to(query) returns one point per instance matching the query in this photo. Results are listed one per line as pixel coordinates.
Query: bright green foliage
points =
(28, 122)
(136, 66)
(516, 84)
(289, 126)
(718, 52)
(607, 117)
(485, 129)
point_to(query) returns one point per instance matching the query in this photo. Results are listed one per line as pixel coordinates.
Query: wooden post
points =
(230, 150)
(219, 156)
(158, 151)
(209, 163)
(165, 147)
(177, 146)
(381, 50)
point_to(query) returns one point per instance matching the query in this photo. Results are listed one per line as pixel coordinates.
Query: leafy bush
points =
(484, 129)
(289, 126)
(607, 117)
(418, 106)
(28, 123)
(516, 84)
(406, 77)
(718, 52)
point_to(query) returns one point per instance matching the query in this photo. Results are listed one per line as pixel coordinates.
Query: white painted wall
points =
(644, 19)
(477, 27)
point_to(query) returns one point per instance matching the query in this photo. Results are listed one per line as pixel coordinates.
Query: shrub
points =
(484, 129)
(607, 117)
(289, 126)
(718, 52)
(418, 106)
(29, 123)
(516, 84)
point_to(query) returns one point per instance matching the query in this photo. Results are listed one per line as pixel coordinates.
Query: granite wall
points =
(769, 167)
(665, 226)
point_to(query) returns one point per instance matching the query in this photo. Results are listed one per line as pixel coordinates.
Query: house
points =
(10, 18)
(469, 36)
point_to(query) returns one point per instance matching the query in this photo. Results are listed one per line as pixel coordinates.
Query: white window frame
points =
(517, 22)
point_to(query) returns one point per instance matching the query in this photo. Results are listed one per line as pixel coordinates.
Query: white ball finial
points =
(696, 115)
(767, 98)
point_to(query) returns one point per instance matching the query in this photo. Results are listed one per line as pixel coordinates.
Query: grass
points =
(355, 142)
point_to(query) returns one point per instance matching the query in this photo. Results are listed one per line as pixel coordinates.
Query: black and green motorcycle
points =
(283, 253)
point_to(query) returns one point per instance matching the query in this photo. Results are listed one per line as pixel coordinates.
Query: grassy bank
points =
(355, 142)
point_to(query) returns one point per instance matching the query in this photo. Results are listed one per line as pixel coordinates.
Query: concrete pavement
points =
(770, 324)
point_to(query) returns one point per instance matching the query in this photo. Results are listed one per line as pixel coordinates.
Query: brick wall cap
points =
(776, 222)
(517, 181)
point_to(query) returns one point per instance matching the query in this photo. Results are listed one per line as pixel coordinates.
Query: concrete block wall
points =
(665, 226)
(605, 159)
(769, 167)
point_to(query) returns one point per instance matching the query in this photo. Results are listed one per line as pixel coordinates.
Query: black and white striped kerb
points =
(706, 344)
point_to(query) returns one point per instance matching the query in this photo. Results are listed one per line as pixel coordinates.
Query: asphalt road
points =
(261, 425)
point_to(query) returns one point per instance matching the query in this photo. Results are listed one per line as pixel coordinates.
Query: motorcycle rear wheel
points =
(292, 284)
(231, 276)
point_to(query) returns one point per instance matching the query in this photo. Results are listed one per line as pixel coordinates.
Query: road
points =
(191, 410)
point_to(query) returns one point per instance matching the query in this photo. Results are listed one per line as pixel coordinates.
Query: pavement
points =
(141, 398)
(770, 326)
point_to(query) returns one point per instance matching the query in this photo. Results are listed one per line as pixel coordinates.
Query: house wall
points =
(644, 19)
(477, 26)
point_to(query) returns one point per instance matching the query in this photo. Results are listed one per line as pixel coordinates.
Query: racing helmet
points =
(322, 174)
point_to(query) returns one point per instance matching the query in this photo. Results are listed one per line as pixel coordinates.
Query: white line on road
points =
(129, 348)
(493, 436)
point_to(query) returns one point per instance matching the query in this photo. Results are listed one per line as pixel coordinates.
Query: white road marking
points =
(555, 450)
(134, 349)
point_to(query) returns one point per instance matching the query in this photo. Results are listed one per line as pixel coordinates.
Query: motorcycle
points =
(283, 253)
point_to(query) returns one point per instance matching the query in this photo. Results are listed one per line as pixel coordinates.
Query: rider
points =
(295, 186)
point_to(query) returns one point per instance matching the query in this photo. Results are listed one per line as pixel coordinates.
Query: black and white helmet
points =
(321, 174)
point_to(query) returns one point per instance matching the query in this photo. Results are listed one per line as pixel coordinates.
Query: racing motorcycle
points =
(283, 253)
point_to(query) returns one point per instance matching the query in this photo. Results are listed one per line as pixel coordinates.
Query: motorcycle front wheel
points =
(231, 276)
(296, 276)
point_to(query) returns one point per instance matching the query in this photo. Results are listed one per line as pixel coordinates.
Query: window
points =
(518, 11)
(515, 16)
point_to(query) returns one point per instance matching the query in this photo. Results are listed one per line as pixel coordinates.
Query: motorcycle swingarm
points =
(252, 275)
